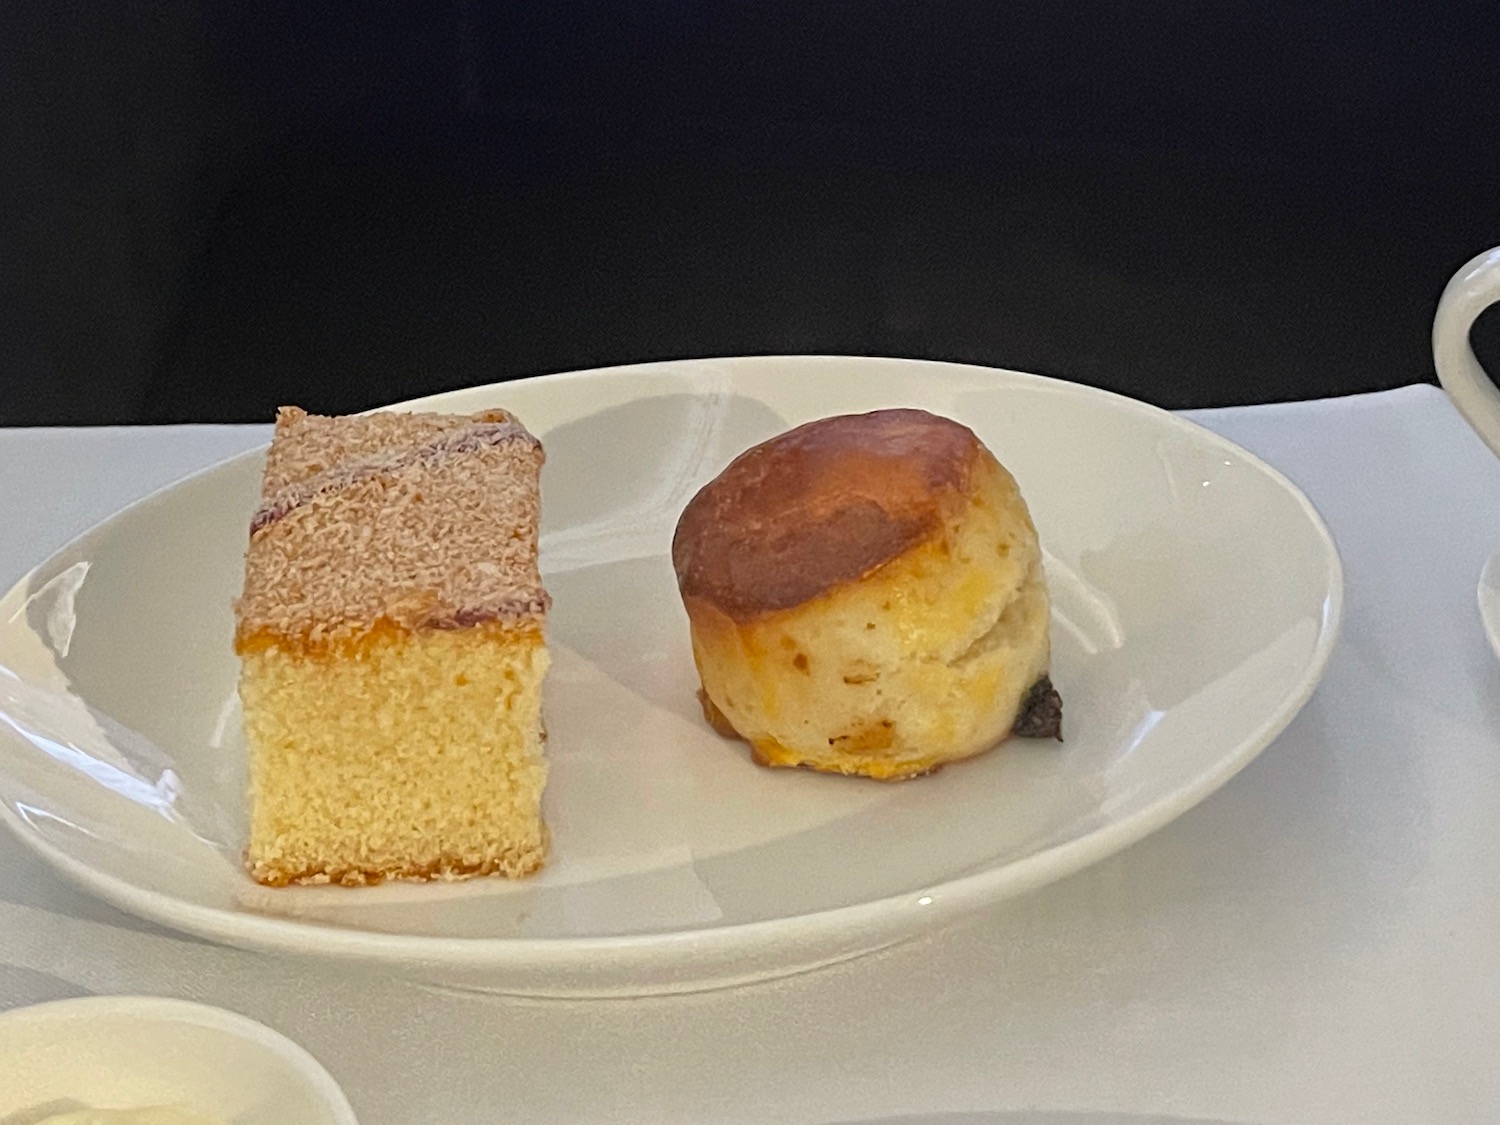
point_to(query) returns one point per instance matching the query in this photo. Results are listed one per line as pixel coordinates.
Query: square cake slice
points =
(391, 643)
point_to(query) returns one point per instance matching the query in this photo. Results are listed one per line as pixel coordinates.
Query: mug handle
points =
(1473, 289)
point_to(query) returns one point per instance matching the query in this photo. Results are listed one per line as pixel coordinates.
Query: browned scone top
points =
(820, 505)
(406, 520)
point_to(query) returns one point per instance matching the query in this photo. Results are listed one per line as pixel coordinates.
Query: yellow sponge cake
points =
(392, 654)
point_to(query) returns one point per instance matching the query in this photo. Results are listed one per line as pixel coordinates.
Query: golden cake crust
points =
(445, 870)
(820, 506)
(411, 521)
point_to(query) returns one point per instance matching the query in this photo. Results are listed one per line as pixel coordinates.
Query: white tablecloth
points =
(1318, 943)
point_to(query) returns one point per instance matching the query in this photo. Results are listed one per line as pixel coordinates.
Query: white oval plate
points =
(130, 1052)
(1197, 598)
(1489, 600)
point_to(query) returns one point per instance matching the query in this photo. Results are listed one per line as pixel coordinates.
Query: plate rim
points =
(1488, 597)
(882, 921)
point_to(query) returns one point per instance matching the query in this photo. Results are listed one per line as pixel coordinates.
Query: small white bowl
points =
(126, 1052)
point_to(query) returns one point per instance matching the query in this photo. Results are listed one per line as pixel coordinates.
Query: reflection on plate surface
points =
(1489, 601)
(1196, 600)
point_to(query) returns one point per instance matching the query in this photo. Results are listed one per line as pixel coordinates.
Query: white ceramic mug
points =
(1473, 289)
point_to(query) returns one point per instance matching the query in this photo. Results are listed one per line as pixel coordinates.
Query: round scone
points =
(866, 596)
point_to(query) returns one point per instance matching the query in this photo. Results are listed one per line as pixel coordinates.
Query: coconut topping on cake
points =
(412, 520)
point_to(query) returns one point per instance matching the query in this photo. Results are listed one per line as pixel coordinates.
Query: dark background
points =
(211, 208)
